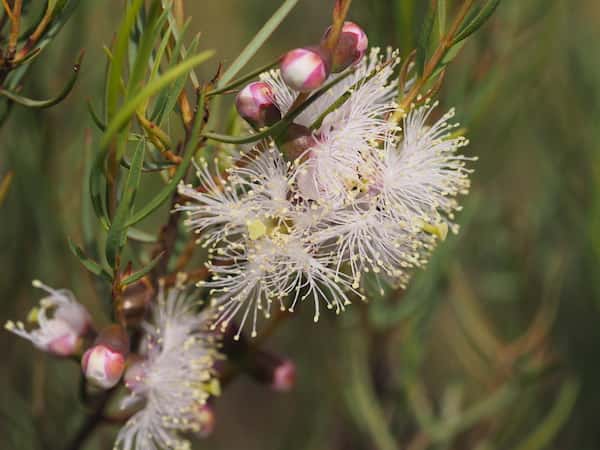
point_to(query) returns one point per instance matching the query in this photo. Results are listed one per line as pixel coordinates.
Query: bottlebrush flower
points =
(278, 267)
(223, 209)
(347, 137)
(257, 256)
(174, 378)
(62, 323)
(421, 176)
(360, 195)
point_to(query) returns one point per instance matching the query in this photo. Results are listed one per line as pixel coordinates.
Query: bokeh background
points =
(496, 345)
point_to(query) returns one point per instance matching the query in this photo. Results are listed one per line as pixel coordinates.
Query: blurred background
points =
(496, 345)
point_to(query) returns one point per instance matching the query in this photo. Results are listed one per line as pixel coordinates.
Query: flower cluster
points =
(343, 192)
(172, 375)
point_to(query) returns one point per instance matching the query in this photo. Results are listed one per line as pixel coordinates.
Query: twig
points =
(90, 424)
(433, 62)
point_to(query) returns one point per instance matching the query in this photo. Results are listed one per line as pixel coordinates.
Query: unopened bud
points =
(135, 375)
(205, 420)
(256, 104)
(351, 47)
(102, 366)
(115, 338)
(305, 69)
(284, 377)
(279, 373)
(296, 141)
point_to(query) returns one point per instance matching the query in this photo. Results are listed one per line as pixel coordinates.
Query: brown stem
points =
(340, 11)
(434, 61)
(90, 423)
(35, 36)
(14, 29)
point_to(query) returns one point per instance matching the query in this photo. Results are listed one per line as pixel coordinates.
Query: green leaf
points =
(424, 40)
(51, 101)
(129, 108)
(88, 263)
(172, 94)
(95, 117)
(189, 151)
(119, 53)
(142, 272)
(544, 434)
(243, 80)
(484, 14)
(141, 236)
(118, 229)
(257, 41)
(442, 17)
(146, 45)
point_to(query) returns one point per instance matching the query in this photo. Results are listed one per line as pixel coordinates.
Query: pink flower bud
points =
(102, 366)
(135, 375)
(205, 420)
(284, 377)
(351, 47)
(296, 141)
(256, 104)
(65, 345)
(272, 370)
(304, 69)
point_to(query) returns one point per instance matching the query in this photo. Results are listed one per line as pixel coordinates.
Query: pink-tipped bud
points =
(205, 420)
(284, 377)
(296, 142)
(351, 47)
(65, 345)
(102, 366)
(272, 370)
(256, 104)
(135, 375)
(305, 69)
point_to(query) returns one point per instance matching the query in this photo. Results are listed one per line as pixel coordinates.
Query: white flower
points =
(222, 209)
(404, 203)
(174, 379)
(421, 176)
(347, 137)
(61, 320)
(278, 267)
(365, 239)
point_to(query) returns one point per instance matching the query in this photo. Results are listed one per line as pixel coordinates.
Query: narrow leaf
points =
(51, 101)
(128, 109)
(89, 264)
(424, 40)
(189, 151)
(142, 272)
(118, 228)
(484, 14)
(257, 42)
(113, 85)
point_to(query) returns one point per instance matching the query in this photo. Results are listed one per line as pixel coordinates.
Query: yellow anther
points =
(256, 229)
